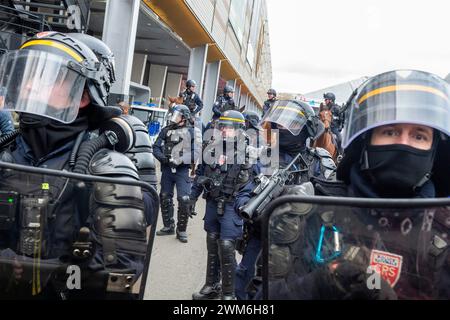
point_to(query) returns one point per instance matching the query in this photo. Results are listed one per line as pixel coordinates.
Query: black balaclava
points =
(45, 135)
(398, 170)
(292, 144)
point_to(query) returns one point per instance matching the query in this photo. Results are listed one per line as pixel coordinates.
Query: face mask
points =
(398, 170)
(44, 135)
(290, 142)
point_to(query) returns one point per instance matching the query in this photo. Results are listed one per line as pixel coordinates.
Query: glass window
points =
(237, 17)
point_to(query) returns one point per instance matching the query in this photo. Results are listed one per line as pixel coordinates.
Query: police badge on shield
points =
(387, 264)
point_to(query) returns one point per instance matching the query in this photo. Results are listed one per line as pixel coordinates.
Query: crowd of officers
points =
(396, 146)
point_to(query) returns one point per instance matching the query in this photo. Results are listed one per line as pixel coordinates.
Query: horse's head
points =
(326, 117)
(175, 100)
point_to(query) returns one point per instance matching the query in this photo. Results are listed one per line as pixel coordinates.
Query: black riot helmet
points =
(105, 56)
(177, 114)
(293, 116)
(190, 83)
(252, 120)
(272, 92)
(400, 97)
(231, 119)
(48, 75)
(329, 96)
(227, 89)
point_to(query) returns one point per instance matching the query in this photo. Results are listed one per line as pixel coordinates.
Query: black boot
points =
(211, 289)
(227, 257)
(184, 207)
(167, 215)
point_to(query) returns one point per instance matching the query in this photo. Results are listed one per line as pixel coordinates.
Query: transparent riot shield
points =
(70, 236)
(347, 248)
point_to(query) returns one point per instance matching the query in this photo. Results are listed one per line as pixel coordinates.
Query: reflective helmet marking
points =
(53, 44)
(402, 87)
(291, 109)
(232, 119)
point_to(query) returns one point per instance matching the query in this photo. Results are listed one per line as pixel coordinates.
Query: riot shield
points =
(72, 236)
(354, 248)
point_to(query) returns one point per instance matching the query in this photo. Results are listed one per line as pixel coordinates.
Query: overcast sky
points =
(320, 43)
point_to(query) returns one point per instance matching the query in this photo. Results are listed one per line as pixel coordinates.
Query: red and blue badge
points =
(387, 264)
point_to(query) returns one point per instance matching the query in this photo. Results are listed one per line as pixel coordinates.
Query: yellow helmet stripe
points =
(292, 109)
(54, 44)
(232, 119)
(403, 87)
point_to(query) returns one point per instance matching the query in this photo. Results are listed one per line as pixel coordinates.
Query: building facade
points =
(159, 44)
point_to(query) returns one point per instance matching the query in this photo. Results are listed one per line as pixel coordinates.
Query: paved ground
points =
(178, 269)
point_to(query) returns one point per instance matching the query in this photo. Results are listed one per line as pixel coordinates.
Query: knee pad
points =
(166, 200)
(211, 242)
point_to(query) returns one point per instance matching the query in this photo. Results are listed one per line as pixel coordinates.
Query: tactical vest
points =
(171, 140)
(189, 100)
(49, 211)
(225, 105)
(225, 180)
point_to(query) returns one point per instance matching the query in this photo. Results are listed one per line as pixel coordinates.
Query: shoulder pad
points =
(142, 160)
(321, 152)
(328, 163)
(329, 187)
(112, 163)
(304, 189)
(142, 141)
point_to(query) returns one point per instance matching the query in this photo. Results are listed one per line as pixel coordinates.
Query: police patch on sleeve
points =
(388, 265)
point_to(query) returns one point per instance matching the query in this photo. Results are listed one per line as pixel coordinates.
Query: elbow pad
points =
(117, 210)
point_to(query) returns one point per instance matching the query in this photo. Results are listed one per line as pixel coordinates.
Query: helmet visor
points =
(413, 97)
(40, 83)
(287, 114)
(175, 117)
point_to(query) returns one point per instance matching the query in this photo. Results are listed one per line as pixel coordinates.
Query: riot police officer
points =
(396, 146)
(219, 181)
(253, 130)
(224, 102)
(176, 148)
(59, 86)
(271, 98)
(191, 99)
(141, 153)
(329, 103)
(298, 123)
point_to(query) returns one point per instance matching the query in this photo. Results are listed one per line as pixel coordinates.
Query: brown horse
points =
(174, 101)
(326, 140)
